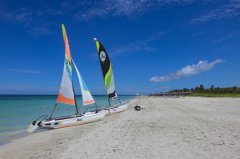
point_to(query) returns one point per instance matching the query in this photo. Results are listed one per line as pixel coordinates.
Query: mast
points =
(50, 117)
(75, 100)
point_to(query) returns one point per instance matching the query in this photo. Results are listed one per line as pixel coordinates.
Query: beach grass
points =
(234, 95)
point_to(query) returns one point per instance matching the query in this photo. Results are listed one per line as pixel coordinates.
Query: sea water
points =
(17, 112)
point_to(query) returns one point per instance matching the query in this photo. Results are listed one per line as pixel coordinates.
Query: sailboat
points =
(109, 83)
(67, 96)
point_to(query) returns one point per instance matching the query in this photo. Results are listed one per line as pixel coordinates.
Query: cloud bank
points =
(125, 7)
(38, 17)
(188, 71)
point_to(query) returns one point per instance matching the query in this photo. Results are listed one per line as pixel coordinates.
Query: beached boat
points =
(108, 77)
(67, 96)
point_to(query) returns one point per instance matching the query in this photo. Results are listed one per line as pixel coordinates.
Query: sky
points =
(154, 45)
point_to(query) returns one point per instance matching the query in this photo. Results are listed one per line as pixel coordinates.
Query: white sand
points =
(186, 128)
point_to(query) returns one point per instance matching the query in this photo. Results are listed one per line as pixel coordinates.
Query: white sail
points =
(66, 94)
(86, 95)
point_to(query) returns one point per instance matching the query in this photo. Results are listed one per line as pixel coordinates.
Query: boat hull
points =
(67, 121)
(117, 109)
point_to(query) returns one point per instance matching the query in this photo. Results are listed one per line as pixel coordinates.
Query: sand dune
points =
(189, 127)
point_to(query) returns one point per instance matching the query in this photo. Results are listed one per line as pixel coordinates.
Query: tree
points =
(201, 88)
(212, 88)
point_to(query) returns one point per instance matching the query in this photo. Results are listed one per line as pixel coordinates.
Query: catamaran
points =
(67, 96)
(108, 77)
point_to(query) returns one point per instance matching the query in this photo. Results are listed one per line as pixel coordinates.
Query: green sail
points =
(106, 70)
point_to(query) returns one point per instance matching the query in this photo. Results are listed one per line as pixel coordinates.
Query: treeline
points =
(212, 89)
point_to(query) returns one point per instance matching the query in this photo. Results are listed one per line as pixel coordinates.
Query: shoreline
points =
(185, 127)
(8, 137)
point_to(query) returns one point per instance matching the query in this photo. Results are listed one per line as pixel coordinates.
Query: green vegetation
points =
(214, 95)
(209, 92)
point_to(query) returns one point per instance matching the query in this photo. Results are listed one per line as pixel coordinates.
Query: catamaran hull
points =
(67, 122)
(114, 110)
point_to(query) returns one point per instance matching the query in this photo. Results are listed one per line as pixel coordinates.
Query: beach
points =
(184, 127)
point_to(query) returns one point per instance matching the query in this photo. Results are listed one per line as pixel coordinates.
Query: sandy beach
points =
(186, 127)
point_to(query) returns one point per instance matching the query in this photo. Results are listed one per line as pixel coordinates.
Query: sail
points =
(66, 94)
(106, 70)
(86, 95)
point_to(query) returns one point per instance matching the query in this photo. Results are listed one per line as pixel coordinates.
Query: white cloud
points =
(135, 47)
(27, 89)
(225, 37)
(21, 71)
(139, 46)
(230, 10)
(188, 71)
(36, 18)
(124, 7)
(32, 20)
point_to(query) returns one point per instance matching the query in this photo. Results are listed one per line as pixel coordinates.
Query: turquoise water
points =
(17, 112)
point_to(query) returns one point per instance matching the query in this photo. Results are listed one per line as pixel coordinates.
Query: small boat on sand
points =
(67, 96)
(109, 82)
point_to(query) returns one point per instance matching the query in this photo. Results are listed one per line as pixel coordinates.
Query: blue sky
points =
(155, 45)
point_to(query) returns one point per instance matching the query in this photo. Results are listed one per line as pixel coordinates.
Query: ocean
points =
(18, 111)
